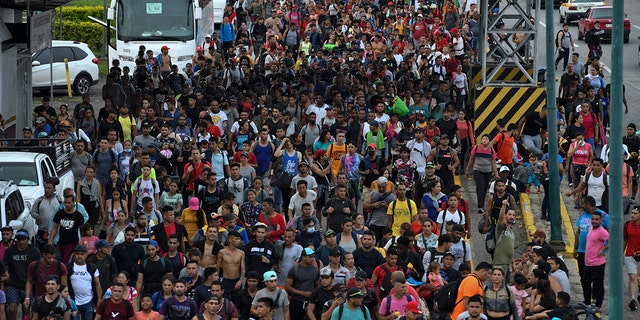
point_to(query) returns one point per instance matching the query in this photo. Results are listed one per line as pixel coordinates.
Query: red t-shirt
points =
(252, 157)
(44, 272)
(116, 311)
(197, 173)
(275, 226)
(631, 232)
(380, 273)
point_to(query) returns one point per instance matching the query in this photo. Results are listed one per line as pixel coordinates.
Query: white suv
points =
(83, 67)
(13, 209)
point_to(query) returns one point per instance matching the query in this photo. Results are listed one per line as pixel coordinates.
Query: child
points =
(537, 168)
(435, 278)
(88, 239)
(115, 233)
(519, 282)
(146, 313)
(64, 293)
(172, 198)
(464, 269)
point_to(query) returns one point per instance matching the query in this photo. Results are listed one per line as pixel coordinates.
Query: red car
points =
(603, 15)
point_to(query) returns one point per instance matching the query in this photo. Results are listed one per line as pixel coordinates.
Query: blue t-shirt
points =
(584, 224)
(347, 313)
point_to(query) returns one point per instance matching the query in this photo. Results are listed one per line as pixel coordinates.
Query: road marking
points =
(577, 46)
(542, 24)
(456, 180)
(637, 27)
(568, 227)
(527, 215)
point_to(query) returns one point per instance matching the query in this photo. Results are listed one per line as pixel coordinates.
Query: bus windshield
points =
(155, 20)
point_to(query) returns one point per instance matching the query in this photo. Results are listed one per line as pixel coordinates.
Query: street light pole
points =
(552, 130)
(616, 282)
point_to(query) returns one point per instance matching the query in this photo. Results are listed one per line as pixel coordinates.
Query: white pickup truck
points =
(30, 166)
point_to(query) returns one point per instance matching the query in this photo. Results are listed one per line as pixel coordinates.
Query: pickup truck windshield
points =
(23, 174)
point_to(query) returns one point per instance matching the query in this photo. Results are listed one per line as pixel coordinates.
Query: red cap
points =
(453, 30)
(199, 48)
(164, 48)
(413, 307)
(390, 3)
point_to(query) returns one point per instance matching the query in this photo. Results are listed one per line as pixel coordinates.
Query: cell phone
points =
(188, 278)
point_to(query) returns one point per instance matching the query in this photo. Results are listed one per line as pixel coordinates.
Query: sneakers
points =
(633, 305)
(480, 211)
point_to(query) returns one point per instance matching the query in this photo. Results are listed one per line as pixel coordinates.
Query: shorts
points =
(15, 295)
(629, 262)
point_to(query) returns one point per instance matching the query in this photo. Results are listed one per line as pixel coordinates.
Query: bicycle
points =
(587, 312)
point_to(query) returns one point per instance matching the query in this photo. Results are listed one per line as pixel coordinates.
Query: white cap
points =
(382, 181)
(504, 168)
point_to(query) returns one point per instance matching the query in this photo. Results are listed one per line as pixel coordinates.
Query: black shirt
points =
(56, 307)
(68, 226)
(534, 124)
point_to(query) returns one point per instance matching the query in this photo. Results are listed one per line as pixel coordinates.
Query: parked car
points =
(83, 67)
(14, 211)
(572, 10)
(604, 16)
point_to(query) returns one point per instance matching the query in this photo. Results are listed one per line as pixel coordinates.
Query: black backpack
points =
(445, 298)
(386, 286)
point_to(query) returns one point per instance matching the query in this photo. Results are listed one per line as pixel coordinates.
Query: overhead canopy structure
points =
(36, 5)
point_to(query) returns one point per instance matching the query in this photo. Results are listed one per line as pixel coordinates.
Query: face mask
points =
(311, 230)
(372, 152)
(127, 150)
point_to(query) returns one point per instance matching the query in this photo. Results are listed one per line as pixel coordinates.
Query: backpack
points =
(393, 206)
(183, 260)
(341, 309)
(445, 298)
(604, 202)
(444, 222)
(146, 261)
(386, 286)
(126, 302)
(112, 153)
(490, 239)
(484, 292)
(389, 302)
(36, 267)
(559, 36)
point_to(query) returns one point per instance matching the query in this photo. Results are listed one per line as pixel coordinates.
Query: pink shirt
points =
(396, 305)
(595, 241)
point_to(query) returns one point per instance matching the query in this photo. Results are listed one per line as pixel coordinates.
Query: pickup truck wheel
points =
(82, 85)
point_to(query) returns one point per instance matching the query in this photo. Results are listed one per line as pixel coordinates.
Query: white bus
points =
(178, 24)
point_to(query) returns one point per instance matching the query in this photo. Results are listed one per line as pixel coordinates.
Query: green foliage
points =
(81, 3)
(76, 25)
(83, 31)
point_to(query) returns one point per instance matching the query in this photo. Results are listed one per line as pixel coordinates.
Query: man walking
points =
(564, 43)
(84, 283)
(16, 260)
(631, 235)
(594, 261)
(593, 38)
(51, 305)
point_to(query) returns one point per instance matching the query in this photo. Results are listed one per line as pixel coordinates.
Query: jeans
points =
(592, 142)
(277, 198)
(533, 144)
(482, 180)
(85, 311)
(355, 184)
(545, 199)
(593, 284)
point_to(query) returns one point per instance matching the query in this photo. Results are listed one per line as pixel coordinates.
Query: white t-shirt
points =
(297, 201)
(219, 119)
(146, 188)
(595, 186)
(444, 216)
(81, 282)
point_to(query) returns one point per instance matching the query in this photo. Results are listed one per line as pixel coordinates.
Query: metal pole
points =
(105, 45)
(616, 282)
(552, 129)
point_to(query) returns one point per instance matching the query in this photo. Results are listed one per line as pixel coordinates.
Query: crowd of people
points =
(303, 167)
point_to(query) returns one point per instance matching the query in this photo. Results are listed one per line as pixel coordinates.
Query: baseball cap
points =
(194, 203)
(136, 145)
(444, 136)
(80, 248)
(153, 145)
(430, 165)
(326, 272)
(372, 146)
(22, 233)
(354, 293)
(258, 224)
(245, 154)
(449, 253)
(504, 168)
(152, 243)
(303, 163)
(335, 252)
(382, 181)
(329, 232)
(164, 48)
(102, 243)
(413, 307)
(361, 275)
(269, 276)
(41, 120)
(307, 252)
